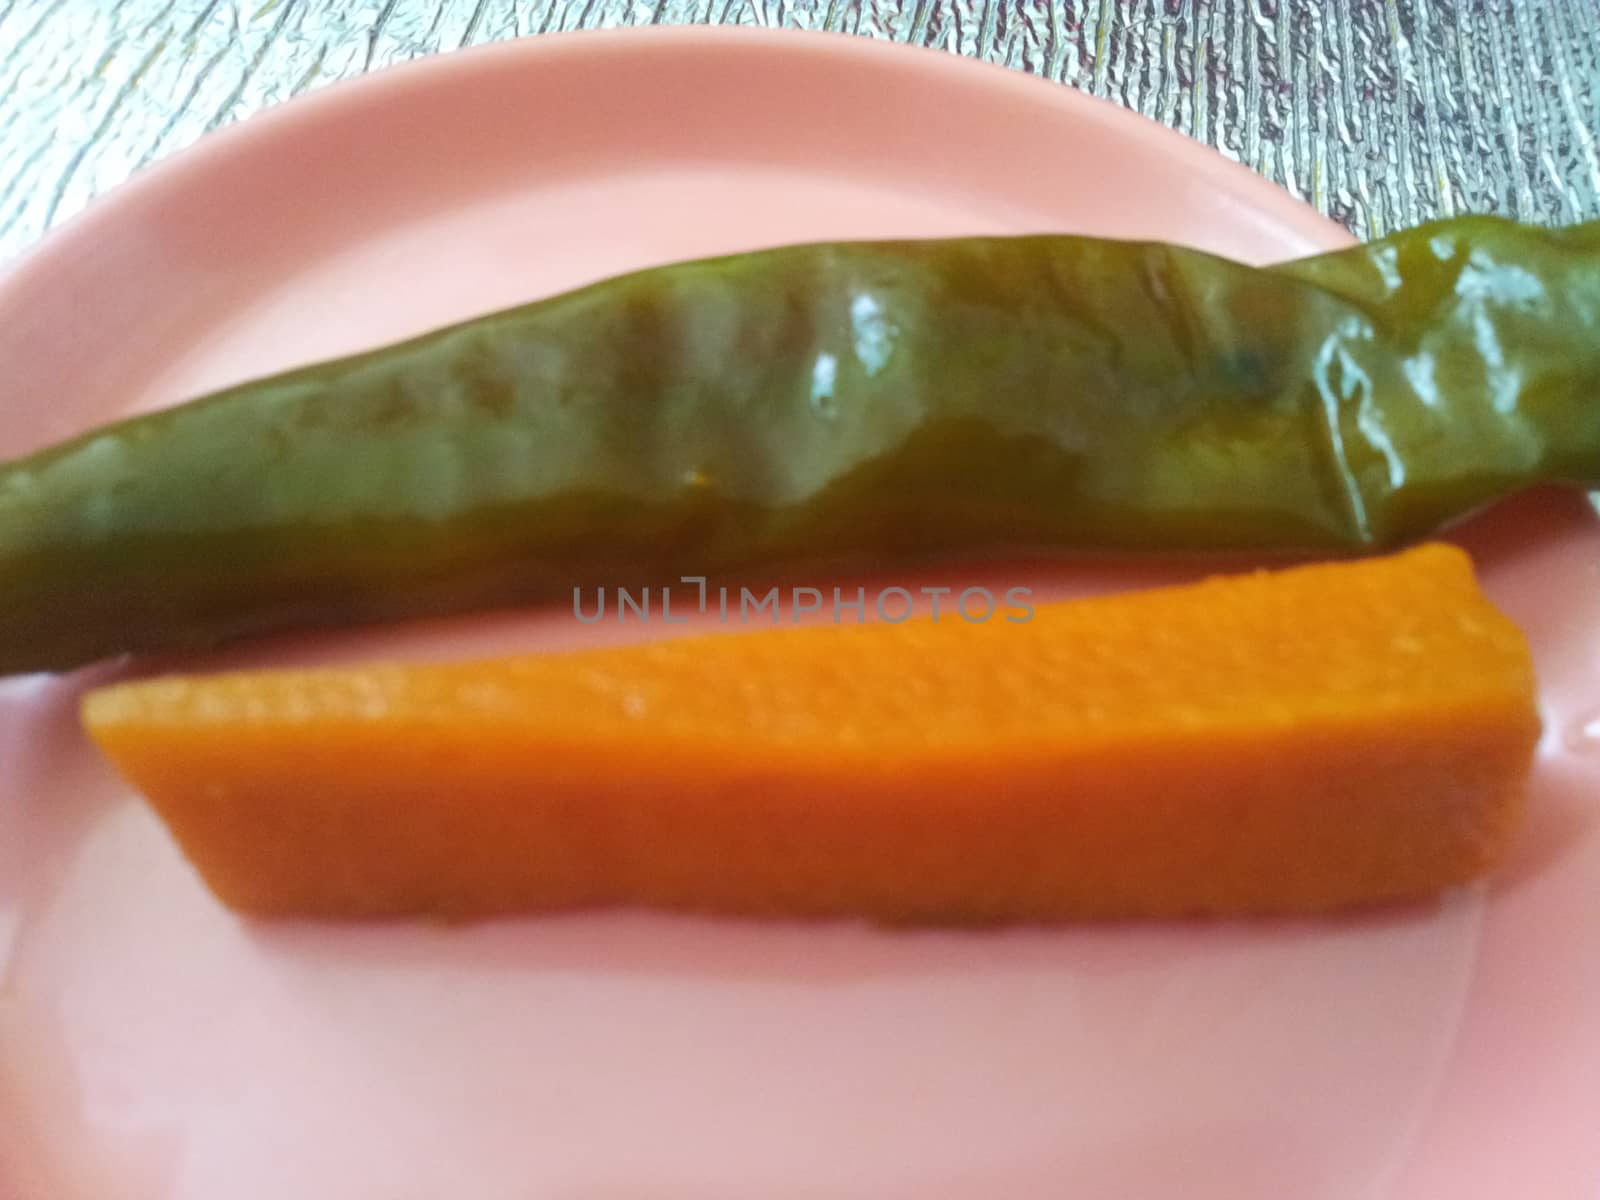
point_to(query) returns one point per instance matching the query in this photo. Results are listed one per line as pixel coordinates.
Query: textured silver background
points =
(1381, 114)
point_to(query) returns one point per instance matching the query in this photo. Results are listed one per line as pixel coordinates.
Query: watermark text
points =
(673, 605)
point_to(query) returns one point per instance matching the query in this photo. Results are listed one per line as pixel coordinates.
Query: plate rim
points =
(219, 148)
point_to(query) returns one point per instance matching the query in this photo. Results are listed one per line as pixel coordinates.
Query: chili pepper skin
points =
(884, 401)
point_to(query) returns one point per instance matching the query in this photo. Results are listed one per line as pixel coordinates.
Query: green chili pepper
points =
(879, 400)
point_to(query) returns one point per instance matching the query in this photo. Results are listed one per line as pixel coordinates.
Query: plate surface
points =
(152, 1045)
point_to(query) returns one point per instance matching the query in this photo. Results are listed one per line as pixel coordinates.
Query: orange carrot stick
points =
(1300, 740)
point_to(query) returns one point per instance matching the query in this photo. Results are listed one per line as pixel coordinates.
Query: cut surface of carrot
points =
(1286, 741)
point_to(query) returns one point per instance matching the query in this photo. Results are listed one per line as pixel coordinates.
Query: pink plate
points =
(152, 1045)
